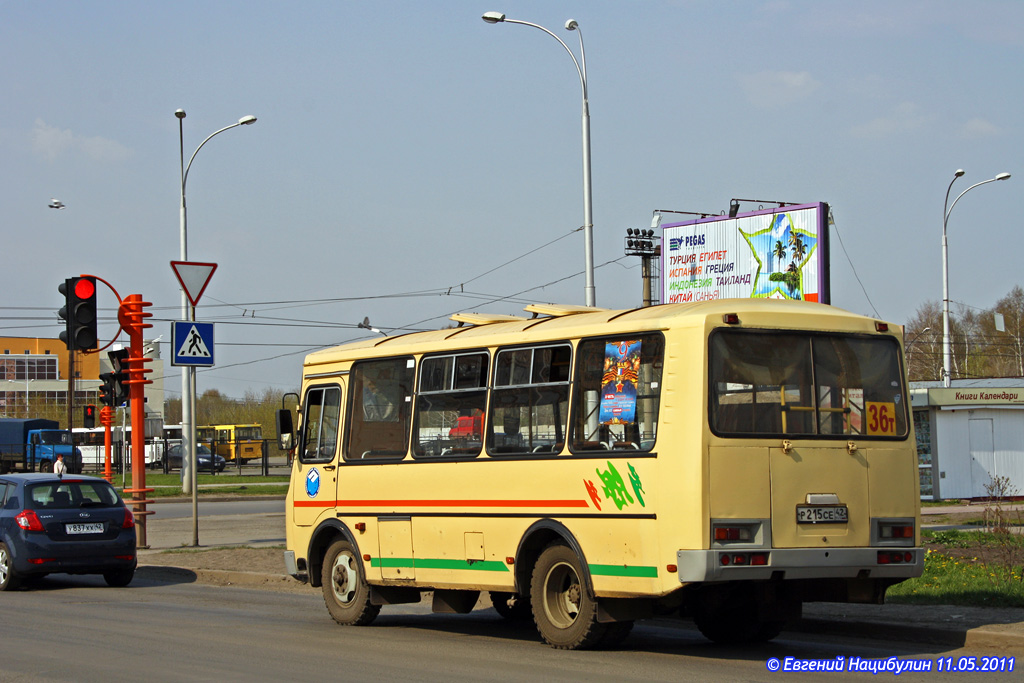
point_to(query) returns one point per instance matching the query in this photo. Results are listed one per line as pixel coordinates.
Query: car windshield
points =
(65, 495)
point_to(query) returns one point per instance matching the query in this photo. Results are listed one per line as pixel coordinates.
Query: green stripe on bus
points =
(623, 570)
(428, 563)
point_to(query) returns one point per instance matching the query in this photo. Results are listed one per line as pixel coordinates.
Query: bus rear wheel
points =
(736, 620)
(346, 592)
(566, 615)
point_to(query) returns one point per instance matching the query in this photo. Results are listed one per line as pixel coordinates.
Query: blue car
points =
(71, 524)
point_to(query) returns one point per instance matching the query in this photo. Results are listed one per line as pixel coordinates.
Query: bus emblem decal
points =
(313, 483)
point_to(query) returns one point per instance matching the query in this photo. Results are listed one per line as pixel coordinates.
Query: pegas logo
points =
(313, 483)
(677, 243)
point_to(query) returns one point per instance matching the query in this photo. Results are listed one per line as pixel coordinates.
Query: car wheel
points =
(9, 579)
(119, 578)
(346, 593)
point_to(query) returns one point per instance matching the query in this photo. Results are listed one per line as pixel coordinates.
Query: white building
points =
(968, 434)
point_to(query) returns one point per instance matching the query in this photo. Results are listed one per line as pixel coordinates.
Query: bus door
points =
(314, 478)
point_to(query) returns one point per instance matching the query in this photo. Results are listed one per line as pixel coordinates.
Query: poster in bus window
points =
(619, 382)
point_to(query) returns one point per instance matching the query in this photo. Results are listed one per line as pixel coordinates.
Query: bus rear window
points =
(768, 384)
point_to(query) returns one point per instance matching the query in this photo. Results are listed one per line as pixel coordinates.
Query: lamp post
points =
(946, 350)
(581, 68)
(188, 376)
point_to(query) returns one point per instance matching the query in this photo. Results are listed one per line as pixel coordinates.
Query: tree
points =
(1007, 346)
(923, 343)
(213, 408)
(779, 251)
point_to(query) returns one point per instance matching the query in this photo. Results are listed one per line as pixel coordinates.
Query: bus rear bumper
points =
(698, 566)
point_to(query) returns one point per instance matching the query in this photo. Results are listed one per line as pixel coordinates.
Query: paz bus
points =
(725, 460)
(233, 442)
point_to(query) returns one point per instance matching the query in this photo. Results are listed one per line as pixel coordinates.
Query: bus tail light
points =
(890, 531)
(731, 319)
(732, 533)
(893, 531)
(735, 531)
(895, 557)
(743, 559)
(881, 327)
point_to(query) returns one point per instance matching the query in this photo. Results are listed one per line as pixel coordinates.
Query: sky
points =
(410, 161)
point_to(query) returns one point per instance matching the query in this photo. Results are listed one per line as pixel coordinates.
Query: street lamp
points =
(188, 377)
(581, 68)
(946, 350)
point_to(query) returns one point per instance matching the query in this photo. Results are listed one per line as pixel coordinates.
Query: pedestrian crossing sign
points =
(192, 343)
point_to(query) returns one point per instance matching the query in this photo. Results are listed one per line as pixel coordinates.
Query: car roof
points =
(43, 477)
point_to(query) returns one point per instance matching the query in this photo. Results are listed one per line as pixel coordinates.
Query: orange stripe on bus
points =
(442, 503)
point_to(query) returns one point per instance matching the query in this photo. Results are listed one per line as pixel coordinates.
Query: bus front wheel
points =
(566, 615)
(346, 592)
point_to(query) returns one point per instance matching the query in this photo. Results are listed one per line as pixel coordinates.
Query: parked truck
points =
(33, 444)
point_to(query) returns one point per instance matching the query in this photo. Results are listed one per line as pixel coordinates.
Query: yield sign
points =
(193, 277)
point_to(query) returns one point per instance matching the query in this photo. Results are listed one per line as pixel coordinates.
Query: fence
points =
(165, 455)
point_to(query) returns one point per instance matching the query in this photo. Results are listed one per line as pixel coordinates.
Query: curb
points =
(218, 577)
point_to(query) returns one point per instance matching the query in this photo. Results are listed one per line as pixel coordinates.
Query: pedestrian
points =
(59, 468)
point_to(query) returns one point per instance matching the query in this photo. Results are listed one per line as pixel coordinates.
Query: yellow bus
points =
(233, 442)
(725, 460)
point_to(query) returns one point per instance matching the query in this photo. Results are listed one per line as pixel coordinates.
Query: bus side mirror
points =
(285, 430)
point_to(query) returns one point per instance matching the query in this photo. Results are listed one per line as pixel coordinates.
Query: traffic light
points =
(79, 313)
(119, 375)
(89, 416)
(108, 389)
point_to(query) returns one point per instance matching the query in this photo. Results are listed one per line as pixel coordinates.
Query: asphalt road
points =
(77, 629)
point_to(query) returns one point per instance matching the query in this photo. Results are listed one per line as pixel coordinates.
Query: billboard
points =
(778, 253)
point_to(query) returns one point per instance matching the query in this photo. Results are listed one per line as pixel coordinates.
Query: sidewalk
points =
(992, 630)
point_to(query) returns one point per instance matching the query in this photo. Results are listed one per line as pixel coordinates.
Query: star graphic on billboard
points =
(780, 253)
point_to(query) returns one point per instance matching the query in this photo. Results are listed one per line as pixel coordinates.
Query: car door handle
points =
(329, 468)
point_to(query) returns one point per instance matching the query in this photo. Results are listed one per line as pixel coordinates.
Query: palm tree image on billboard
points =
(779, 253)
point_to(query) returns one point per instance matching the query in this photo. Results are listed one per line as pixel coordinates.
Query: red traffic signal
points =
(89, 416)
(79, 313)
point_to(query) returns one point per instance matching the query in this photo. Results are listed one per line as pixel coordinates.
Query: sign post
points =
(194, 277)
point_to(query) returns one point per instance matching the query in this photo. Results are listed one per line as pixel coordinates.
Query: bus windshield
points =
(765, 383)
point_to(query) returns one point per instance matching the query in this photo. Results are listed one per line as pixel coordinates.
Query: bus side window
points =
(380, 409)
(450, 402)
(530, 400)
(320, 424)
(618, 393)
